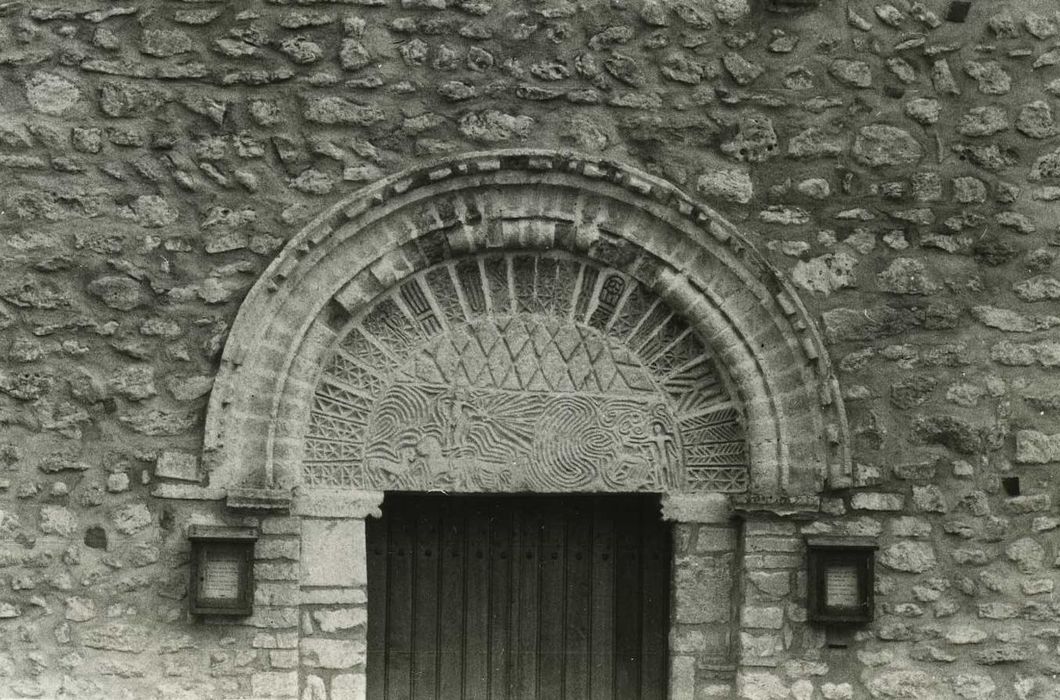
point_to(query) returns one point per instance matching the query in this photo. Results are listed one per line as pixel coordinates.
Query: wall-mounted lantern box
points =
(222, 570)
(840, 579)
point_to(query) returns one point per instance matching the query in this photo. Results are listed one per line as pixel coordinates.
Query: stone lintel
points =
(348, 503)
(696, 508)
(777, 504)
(244, 498)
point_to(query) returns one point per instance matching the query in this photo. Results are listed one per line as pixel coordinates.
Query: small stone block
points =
(177, 465)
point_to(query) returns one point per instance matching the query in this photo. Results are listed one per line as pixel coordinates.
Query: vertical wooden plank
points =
(400, 608)
(452, 600)
(628, 598)
(376, 535)
(579, 518)
(478, 603)
(528, 570)
(502, 540)
(602, 603)
(425, 600)
(656, 548)
(552, 599)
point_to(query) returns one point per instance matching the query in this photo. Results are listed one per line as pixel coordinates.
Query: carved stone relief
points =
(523, 371)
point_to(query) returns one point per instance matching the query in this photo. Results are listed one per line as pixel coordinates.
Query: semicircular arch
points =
(543, 205)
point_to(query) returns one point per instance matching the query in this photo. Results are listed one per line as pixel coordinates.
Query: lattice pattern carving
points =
(523, 372)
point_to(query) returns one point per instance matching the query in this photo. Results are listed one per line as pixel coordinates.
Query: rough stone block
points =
(348, 686)
(341, 619)
(1033, 447)
(763, 618)
(332, 653)
(333, 553)
(914, 557)
(274, 684)
(177, 465)
(703, 587)
(877, 501)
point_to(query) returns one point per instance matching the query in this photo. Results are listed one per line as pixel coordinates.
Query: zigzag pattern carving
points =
(516, 371)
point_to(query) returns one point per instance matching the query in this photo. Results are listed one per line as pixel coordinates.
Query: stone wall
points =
(901, 168)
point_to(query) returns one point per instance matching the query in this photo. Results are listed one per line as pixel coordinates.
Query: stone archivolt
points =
(429, 330)
(523, 371)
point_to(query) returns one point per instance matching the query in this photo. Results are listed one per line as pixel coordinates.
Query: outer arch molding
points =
(700, 265)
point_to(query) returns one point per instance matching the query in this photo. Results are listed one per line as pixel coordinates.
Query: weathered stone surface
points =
(913, 557)
(153, 211)
(1038, 288)
(274, 684)
(353, 55)
(1033, 447)
(744, 72)
(493, 126)
(852, 73)
(333, 553)
(177, 465)
(907, 276)
(331, 653)
(135, 383)
(1012, 321)
(694, 577)
(846, 324)
(877, 501)
(79, 609)
(814, 143)
(131, 518)
(189, 388)
(983, 121)
(924, 110)
(1026, 554)
(1035, 120)
(1045, 353)
(115, 636)
(57, 520)
(1046, 167)
(127, 99)
(755, 139)
(159, 422)
(727, 184)
(116, 292)
(991, 77)
(165, 42)
(341, 619)
(53, 94)
(881, 145)
(348, 686)
(338, 110)
(956, 433)
(826, 273)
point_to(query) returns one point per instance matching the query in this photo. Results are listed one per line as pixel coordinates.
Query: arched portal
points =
(513, 322)
(376, 269)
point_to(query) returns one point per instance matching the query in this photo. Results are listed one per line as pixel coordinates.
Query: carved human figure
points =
(664, 451)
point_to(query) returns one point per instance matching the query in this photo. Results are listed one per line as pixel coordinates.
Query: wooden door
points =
(518, 598)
